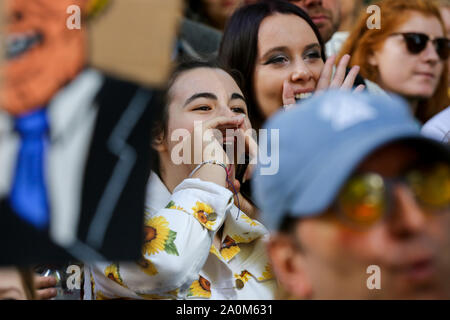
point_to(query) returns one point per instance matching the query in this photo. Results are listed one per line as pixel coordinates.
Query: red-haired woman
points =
(407, 55)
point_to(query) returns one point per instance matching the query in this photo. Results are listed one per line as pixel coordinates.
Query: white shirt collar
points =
(6, 122)
(73, 100)
(158, 196)
(68, 104)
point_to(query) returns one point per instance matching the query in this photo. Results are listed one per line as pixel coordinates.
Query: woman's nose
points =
(300, 73)
(225, 111)
(430, 54)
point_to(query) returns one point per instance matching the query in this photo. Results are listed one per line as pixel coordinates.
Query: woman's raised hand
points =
(212, 148)
(339, 80)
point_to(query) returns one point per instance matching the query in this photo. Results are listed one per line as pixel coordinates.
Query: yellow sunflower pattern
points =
(158, 237)
(267, 273)
(214, 251)
(101, 296)
(92, 286)
(244, 276)
(200, 288)
(147, 266)
(205, 215)
(229, 248)
(113, 272)
(152, 296)
(250, 221)
(172, 205)
(240, 239)
(169, 295)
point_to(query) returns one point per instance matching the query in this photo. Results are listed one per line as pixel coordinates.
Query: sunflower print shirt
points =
(179, 260)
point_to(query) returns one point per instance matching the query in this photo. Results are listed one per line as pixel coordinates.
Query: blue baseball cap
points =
(313, 148)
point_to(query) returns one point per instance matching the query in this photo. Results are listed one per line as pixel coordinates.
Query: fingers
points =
(45, 294)
(350, 79)
(325, 76)
(44, 282)
(246, 206)
(288, 94)
(251, 146)
(252, 150)
(340, 73)
(236, 185)
(209, 125)
(248, 173)
(44, 287)
(359, 88)
(219, 121)
(340, 80)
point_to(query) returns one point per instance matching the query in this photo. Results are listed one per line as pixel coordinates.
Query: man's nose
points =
(310, 3)
(408, 217)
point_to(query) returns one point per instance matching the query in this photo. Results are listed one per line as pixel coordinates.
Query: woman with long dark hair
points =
(197, 243)
(280, 54)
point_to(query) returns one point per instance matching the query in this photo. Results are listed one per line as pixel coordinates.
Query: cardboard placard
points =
(85, 200)
(134, 39)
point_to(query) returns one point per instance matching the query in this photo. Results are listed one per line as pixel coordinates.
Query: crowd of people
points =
(357, 120)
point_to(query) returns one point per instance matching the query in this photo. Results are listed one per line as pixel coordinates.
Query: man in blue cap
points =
(360, 206)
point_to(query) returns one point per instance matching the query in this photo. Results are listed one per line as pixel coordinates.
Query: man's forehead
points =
(323, 3)
(392, 158)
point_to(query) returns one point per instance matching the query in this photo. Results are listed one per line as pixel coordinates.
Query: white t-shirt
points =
(334, 45)
(438, 127)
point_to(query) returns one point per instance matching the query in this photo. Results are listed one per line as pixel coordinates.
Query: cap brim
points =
(327, 177)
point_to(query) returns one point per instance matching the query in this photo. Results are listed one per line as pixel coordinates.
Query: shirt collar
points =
(67, 105)
(70, 103)
(6, 123)
(158, 196)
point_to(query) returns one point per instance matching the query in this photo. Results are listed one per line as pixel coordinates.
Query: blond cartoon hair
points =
(95, 7)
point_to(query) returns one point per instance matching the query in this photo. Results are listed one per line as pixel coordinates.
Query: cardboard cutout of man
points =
(74, 141)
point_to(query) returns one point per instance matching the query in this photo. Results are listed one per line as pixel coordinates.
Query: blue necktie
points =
(28, 195)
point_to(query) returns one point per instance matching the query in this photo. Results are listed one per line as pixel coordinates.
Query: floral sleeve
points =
(177, 241)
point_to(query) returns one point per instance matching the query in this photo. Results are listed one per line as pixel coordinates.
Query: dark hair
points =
(288, 227)
(196, 10)
(160, 114)
(239, 46)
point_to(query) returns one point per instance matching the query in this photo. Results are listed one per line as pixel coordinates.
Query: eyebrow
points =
(284, 48)
(237, 96)
(209, 95)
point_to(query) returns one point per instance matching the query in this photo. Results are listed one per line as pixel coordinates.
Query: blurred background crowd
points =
(359, 91)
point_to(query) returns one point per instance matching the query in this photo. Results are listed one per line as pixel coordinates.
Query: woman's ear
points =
(158, 143)
(372, 60)
(289, 266)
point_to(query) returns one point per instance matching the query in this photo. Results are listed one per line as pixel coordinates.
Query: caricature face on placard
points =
(42, 53)
(79, 80)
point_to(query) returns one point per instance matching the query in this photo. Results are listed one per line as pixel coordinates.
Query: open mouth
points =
(19, 43)
(302, 96)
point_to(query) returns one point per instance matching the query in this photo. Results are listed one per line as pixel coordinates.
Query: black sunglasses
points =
(417, 42)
